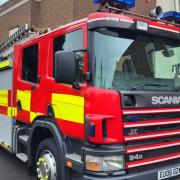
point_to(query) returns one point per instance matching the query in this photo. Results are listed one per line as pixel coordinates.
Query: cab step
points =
(74, 157)
(22, 156)
(23, 139)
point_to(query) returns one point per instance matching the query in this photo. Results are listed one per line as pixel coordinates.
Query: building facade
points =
(169, 5)
(51, 13)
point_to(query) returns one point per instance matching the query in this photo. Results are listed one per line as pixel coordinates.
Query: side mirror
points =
(65, 67)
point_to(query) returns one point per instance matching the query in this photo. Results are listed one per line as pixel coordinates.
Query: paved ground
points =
(12, 169)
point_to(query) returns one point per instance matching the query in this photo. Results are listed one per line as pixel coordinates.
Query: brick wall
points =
(53, 13)
(14, 18)
(82, 10)
(143, 7)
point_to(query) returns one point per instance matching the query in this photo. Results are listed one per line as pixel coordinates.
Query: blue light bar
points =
(171, 16)
(129, 3)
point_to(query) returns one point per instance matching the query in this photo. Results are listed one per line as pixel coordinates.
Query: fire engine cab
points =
(95, 99)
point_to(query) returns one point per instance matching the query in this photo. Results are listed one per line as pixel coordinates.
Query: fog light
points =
(104, 164)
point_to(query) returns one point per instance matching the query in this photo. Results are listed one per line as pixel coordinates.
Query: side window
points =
(72, 41)
(30, 64)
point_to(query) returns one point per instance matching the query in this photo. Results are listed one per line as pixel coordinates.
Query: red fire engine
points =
(95, 99)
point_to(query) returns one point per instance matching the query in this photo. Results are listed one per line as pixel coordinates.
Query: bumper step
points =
(73, 161)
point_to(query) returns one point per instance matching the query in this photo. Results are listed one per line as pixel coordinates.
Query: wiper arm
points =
(135, 87)
(177, 88)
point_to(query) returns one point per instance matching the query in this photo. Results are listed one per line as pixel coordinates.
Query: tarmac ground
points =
(12, 168)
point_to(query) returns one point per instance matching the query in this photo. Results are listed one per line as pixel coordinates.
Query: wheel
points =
(48, 160)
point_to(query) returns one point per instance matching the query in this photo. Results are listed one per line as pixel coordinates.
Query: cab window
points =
(72, 41)
(30, 64)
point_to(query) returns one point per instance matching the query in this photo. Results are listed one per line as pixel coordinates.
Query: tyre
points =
(48, 161)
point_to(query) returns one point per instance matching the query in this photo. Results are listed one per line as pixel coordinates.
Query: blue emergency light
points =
(128, 3)
(1, 58)
(171, 16)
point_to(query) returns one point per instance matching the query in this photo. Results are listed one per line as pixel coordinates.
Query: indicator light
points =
(92, 130)
(69, 164)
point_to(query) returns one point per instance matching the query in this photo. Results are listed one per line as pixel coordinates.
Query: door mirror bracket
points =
(76, 85)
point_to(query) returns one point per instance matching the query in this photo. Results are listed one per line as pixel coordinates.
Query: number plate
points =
(164, 174)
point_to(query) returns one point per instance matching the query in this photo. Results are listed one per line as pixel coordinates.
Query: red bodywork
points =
(100, 104)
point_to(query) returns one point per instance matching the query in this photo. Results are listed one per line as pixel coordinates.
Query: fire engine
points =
(95, 99)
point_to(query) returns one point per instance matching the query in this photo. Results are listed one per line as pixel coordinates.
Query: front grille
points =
(146, 117)
(151, 138)
(143, 130)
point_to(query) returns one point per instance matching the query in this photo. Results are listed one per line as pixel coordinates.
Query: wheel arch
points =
(42, 129)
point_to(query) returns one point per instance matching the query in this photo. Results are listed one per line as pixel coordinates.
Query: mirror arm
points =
(76, 85)
(81, 50)
(87, 77)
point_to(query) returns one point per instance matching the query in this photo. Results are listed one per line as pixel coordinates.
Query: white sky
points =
(2, 1)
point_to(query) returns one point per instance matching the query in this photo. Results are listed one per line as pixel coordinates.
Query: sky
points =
(2, 1)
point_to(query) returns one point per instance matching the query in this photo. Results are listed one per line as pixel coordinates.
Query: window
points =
(72, 41)
(128, 61)
(30, 64)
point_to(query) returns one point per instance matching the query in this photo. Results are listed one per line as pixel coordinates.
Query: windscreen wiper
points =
(177, 88)
(135, 87)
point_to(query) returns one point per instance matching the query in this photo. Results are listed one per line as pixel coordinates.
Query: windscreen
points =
(135, 61)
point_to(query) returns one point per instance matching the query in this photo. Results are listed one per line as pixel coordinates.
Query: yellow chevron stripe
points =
(9, 111)
(14, 111)
(25, 98)
(33, 115)
(4, 98)
(69, 107)
(4, 64)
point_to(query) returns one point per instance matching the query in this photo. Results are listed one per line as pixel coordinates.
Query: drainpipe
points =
(176, 3)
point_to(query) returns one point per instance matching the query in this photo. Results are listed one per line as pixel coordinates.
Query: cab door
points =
(68, 102)
(27, 82)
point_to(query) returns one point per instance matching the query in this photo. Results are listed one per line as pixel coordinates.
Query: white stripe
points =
(130, 21)
(151, 136)
(164, 29)
(155, 161)
(106, 19)
(13, 7)
(151, 124)
(97, 19)
(152, 148)
(151, 111)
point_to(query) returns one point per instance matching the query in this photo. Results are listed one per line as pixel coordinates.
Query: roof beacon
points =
(121, 4)
(171, 16)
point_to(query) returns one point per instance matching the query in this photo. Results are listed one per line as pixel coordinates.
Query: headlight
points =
(104, 164)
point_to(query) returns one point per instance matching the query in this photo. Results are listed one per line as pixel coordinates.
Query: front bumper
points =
(146, 175)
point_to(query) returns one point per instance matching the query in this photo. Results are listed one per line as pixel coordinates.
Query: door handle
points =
(19, 105)
(34, 87)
